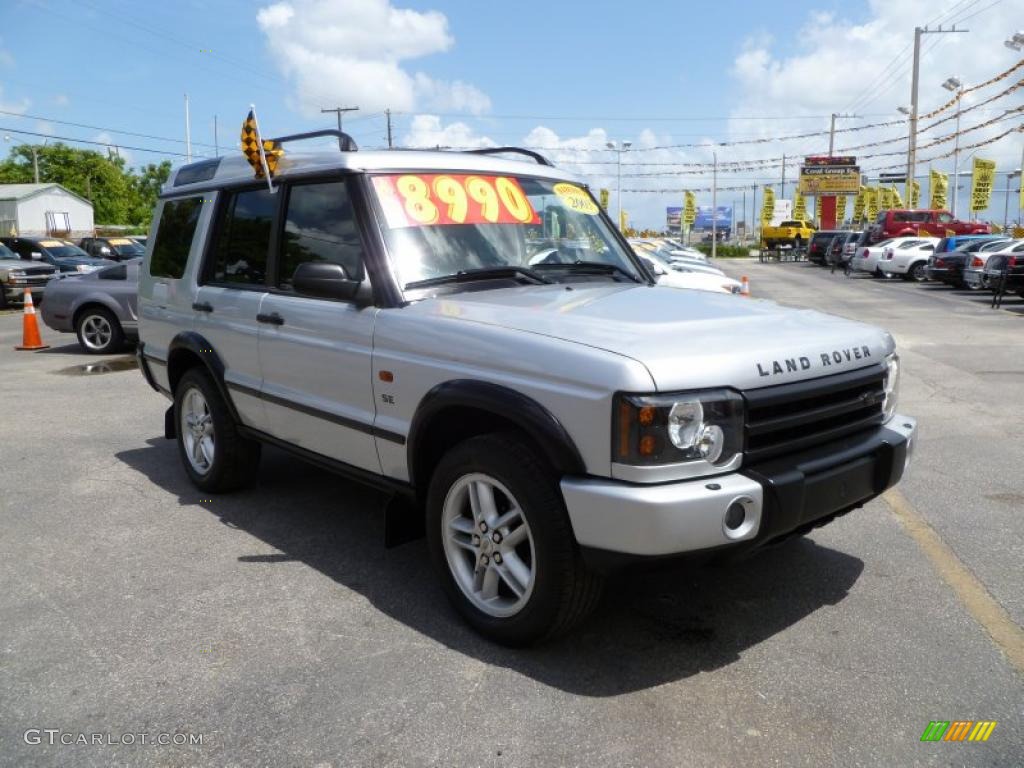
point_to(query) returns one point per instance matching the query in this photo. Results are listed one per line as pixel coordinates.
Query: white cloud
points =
(61, 100)
(427, 131)
(353, 51)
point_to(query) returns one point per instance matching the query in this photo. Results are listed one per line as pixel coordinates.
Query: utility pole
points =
(782, 193)
(912, 138)
(714, 205)
(832, 131)
(387, 112)
(339, 111)
(188, 134)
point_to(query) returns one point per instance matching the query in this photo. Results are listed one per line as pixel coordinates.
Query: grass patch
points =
(726, 251)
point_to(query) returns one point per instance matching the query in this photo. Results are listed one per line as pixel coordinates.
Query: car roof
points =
(235, 169)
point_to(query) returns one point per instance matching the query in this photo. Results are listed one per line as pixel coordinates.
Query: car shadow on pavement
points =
(651, 628)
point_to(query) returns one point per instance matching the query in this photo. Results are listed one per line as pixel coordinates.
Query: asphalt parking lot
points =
(274, 624)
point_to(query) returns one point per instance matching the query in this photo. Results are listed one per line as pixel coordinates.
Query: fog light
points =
(735, 515)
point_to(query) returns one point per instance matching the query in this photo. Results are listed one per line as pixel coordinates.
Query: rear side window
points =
(174, 237)
(320, 226)
(243, 240)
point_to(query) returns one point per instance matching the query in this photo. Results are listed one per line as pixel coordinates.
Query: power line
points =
(100, 128)
(99, 143)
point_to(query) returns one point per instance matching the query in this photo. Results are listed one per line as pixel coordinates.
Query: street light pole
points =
(619, 149)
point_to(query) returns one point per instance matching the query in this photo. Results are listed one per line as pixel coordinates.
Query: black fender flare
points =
(197, 344)
(529, 415)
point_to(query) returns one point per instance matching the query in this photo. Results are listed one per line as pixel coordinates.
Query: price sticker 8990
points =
(421, 200)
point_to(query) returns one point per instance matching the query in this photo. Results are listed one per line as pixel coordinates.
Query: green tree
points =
(118, 195)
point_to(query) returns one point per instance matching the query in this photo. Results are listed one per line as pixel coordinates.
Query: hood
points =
(686, 339)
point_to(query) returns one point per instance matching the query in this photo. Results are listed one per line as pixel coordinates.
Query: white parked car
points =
(675, 276)
(974, 270)
(907, 259)
(867, 258)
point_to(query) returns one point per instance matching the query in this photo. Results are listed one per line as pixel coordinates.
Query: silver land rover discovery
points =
(471, 333)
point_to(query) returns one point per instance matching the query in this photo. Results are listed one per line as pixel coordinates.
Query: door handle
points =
(273, 318)
(202, 306)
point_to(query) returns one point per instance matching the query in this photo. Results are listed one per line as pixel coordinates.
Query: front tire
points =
(215, 456)
(98, 331)
(501, 541)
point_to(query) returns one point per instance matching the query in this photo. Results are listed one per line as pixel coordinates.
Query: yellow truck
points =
(794, 232)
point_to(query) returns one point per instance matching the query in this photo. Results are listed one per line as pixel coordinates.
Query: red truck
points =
(903, 223)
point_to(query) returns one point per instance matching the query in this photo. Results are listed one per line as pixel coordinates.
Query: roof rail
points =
(541, 160)
(345, 142)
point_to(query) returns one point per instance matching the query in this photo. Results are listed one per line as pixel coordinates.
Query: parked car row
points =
(973, 261)
(677, 266)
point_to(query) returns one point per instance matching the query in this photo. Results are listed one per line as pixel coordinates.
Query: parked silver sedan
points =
(100, 307)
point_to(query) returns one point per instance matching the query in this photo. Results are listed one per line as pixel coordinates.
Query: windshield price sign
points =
(421, 200)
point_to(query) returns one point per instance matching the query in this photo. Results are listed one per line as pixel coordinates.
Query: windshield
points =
(7, 253)
(126, 248)
(441, 225)
(67, 252)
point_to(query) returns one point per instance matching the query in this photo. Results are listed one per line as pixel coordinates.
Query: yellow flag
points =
(623, 218)
(915, 194)
(871, 203)
(894, 196)
(939, 183)
(604, 199)
(689, 208)
(840, 209)
(768, 208)
(800, 208)
(981, 183)
(858, 204)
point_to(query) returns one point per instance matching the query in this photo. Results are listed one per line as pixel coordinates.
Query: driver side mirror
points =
(324, 280)
(36, 256)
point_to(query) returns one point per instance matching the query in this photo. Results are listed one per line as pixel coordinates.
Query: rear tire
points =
(513, 592)
(917, 272)
(98, 331)
(216, 457)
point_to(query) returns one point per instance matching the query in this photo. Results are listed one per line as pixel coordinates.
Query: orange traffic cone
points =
(745, 289)
(30, 326)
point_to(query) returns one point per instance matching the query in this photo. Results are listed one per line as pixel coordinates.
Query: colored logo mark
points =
(958, 730)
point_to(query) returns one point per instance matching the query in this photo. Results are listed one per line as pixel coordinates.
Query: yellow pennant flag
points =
(981, 183)
(894, 196)
(604, 198)
(800, 208)
(768, 208)
(840, 209)
(915, 194)
(689, 208)
(871, 203)
(623, 218)
(939, 183)
(858, 205)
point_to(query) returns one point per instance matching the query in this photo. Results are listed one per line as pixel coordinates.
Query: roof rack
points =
(345, 142)
(541, 160)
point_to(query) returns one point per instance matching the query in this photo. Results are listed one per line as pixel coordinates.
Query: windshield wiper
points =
(591, 268)
(483, 273)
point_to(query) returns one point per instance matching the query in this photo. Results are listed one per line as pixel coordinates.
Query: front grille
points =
(794, 417)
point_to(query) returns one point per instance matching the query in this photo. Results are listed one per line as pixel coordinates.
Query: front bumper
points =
(15, 292)
(778, 497)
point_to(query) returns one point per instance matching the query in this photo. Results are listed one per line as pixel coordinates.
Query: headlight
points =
(703, 428)
(83, 268)
(892, 386)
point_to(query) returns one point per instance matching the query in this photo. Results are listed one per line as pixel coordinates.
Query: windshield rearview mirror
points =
(104, 251)
(324, 280)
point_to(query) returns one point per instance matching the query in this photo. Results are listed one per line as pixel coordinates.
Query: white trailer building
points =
(44, 209)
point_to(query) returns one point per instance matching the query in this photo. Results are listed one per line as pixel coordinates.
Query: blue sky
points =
(566, 76)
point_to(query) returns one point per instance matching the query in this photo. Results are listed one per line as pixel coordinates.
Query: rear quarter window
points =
(174, 236)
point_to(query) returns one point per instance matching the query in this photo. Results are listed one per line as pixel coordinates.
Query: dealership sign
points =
(822, 175)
